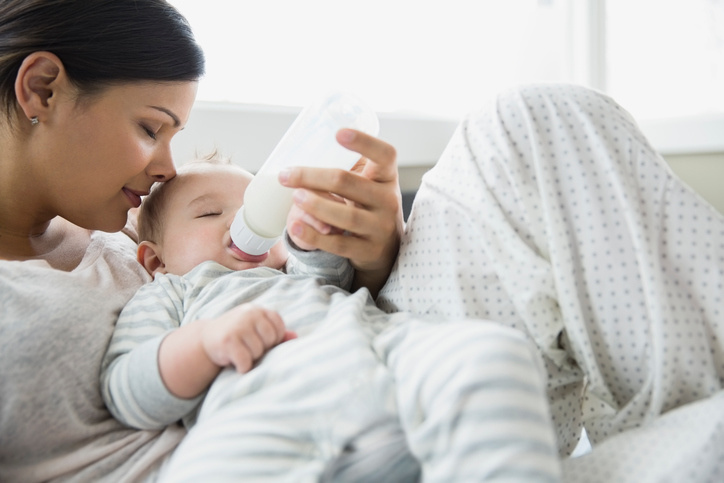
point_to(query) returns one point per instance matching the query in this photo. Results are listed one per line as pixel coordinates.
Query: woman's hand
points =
(356, 214)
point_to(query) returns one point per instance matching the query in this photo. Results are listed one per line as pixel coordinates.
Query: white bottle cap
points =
(246, 240)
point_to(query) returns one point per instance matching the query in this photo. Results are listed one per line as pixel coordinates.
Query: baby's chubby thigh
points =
(306, 406)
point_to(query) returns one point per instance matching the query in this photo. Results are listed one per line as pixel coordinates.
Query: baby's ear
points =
(149, 255)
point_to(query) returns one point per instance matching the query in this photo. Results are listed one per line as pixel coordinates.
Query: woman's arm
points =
(368, 227)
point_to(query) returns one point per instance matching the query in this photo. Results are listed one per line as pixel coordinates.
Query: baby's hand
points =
(242, 335)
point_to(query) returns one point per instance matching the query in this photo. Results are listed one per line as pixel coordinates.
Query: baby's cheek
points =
(194, 250)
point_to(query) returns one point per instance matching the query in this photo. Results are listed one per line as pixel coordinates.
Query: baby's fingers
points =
(269, 327)
(266, 332)
(241, 358)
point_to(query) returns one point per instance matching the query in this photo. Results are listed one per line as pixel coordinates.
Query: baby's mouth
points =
(245, 256)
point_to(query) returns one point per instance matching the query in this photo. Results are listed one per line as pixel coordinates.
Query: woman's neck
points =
(27, 231)
(18, 242)
(62, 245)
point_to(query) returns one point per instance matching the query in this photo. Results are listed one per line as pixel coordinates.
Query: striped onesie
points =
(360, 395)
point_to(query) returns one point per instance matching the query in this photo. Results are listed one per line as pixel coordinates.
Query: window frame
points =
(248, 133)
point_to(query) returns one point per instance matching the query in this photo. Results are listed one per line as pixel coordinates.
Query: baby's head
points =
(186, 220)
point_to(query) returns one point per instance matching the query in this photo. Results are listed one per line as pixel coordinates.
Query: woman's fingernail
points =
(284, 176)
(322, 228)
(346, 135)
(299, 196)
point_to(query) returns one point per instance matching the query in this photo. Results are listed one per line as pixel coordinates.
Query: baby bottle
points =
(309, 141)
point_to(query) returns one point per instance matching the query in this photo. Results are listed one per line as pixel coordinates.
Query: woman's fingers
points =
(344, 244)
(350, 186)
(332, 213)
(370, 218)
(381, 158)
(379, 164)
(371, 231)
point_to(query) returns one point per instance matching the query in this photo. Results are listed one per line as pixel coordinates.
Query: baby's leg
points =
(471, 397)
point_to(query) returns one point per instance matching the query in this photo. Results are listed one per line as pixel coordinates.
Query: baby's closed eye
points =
(209, 213)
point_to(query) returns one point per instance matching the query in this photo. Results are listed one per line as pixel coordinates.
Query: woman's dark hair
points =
(100, 42)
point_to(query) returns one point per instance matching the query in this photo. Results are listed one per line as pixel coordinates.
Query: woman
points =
(92, 94)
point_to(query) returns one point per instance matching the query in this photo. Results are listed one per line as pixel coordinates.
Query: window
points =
(665, 58)
(422, 64)
(429, 57)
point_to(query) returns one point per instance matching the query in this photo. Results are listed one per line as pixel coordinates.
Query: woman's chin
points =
(109, 224)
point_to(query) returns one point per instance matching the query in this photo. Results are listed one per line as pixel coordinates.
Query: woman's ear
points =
(149, 255)
(39, 79)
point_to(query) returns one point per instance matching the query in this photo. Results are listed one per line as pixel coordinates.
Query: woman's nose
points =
(162, 167)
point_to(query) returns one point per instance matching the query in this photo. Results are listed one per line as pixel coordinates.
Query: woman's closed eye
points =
(149, 132)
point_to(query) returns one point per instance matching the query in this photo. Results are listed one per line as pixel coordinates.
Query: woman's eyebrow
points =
(176, 121)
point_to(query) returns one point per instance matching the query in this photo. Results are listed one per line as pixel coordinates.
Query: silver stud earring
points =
(34, 121)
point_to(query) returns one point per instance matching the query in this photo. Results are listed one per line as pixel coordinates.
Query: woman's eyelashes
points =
(149, 132)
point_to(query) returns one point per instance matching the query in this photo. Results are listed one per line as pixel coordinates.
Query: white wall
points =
(704, 172)
(694, 147)
(249, 133)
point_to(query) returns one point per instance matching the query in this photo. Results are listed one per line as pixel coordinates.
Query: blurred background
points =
(423, 64)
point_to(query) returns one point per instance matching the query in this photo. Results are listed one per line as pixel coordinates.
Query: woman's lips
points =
(133, 196)
(245, 257)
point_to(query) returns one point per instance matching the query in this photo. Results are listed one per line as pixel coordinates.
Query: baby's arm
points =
(334, 269)
(132, 383)
(191, 357)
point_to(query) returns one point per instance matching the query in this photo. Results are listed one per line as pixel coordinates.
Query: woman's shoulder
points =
(108, 263)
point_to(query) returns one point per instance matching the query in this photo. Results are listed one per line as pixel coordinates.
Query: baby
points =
(347, 393)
